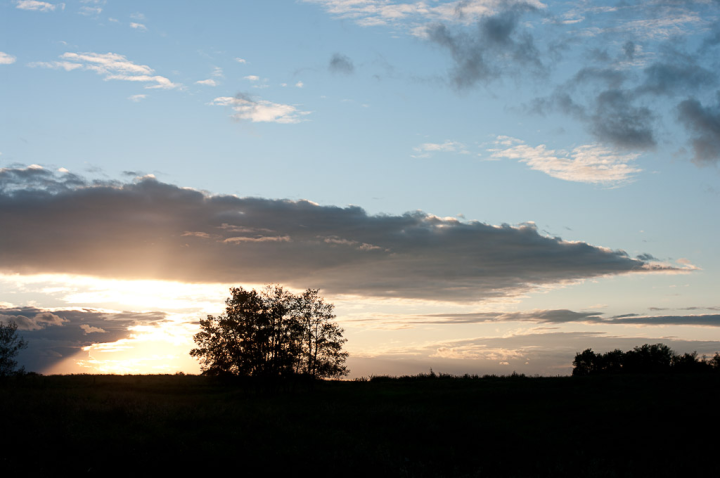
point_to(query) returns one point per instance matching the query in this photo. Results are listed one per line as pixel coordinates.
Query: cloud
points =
(497, 46)
(138, 16)
(558, 316)
(341, 64)
(703, 124)
(137, 98)
(112, 66)
(6, 59)
(241, 60)
(89, 11)
(369, 13)
(585, 164)
(89, 329)
(425, 150)
(39, 320)
(138, 26)
(299, 84)
(251, 78)
(53, 334)
(260, 111)
(208, 82)
(38, 6)
(138, 230)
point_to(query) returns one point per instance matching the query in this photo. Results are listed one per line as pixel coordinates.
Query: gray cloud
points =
(560, 316)
(38, 321)
(151, 230)
(341, 64)
(74, 329)
(495, 47)
(703, 124)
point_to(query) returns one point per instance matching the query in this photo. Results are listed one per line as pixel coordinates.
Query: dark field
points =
(603, 426)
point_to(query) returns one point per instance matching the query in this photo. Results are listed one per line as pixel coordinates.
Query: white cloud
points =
(208, 82)
(114, 20)
(590, 163)
(260, 111)
(137, 98)
(217, 72)
(89, 329)
(138, 26)
(138, 16)
(6, 59)
(38, 6)
(370, 13)
(426, 149)
(89, 11)
(240, 60)
(112, 66)
(299, 84)
(251, 78)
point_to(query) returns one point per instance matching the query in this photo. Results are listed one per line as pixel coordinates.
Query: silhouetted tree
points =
(10, 345)
(272, 333)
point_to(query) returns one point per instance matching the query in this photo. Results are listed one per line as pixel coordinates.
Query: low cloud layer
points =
(56, 334)
(61, 223)
(548, 353)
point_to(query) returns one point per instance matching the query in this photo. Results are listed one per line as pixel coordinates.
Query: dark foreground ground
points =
(609, 426)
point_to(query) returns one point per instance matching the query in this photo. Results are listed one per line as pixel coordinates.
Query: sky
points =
(479, 186)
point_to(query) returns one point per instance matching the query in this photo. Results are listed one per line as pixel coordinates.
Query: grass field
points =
(605, 426)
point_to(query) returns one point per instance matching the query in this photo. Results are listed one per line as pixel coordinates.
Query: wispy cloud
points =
(425, 150)
(260, 111)
(241, 60)
(107, 229)
(6, 59)
(110, 65)
(208, 82)
(586, 164)
(137, 98)
(38, 6)
(138, 26)
(90, 11)
(251, 78)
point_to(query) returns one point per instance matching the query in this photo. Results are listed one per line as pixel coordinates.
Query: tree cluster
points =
(658, 358)
(10, 345)
(272, 333)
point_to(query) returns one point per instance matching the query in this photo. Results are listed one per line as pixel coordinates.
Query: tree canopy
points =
(10, 345)
(272, 333)
(657, 358)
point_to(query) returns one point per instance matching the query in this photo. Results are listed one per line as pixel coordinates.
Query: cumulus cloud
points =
(139, 230)
(89, 329)
(38, 6)
(39, 320)
(110, 65)
(341, 64)
(586, 164)
(6, 59)
(260, 111)
(703, 124)
(138, 26)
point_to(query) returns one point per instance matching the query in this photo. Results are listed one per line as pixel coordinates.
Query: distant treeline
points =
(658, 358)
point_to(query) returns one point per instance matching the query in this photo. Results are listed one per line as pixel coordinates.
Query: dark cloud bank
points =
(56, 334)
(60, 223)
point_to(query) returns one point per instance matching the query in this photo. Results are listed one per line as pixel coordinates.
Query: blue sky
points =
(413, 160)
